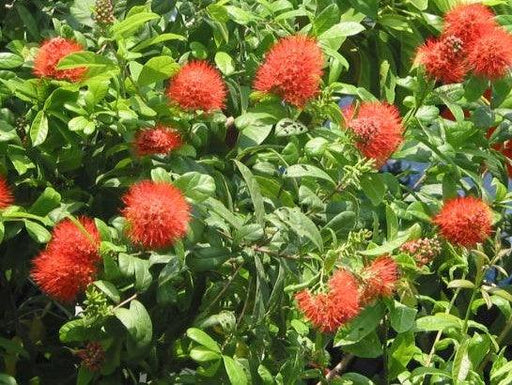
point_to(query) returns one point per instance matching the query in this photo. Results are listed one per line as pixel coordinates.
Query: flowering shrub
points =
(255, 192)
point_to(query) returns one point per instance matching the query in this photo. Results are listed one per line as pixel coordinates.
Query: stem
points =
(338, 369)
(129, 299)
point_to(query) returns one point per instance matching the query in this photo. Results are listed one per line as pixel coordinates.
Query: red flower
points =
(380, 279)
(465, 221)
(157, 140)
(292, 69)
(157, 214)
(328, 311)
(378, 130)
(6, 198)
(198, 86)
(491, 55)
(68, 239)
(70, 261)
(468, 22)
(443, 59)
(49, 55)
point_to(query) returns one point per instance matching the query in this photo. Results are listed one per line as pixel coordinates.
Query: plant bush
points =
(255, 192)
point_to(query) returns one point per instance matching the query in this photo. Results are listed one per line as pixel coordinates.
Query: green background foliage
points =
(280, 198)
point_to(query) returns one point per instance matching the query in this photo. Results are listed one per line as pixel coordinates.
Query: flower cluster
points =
(328, 311)
(346, 295)
(157, 140)
(49, 55)
(92, 356)
(464, 221)
(471, 41)
(377, 128)
(424, 250)
(70, 261)
(292, 69)
(157, 214)
(197, 86)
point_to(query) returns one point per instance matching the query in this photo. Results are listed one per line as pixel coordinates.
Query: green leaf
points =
(369, 347)
(365, 323)
(86, 59)
(355, 379)
(39, 129)
(82, 10)
(439, 321)
(138, 323)
(463, 283)
(10, 60)
(307, 170)
(109, 289)
(254, 191)
(202, 354)
(37, 232)
(81, 123)
(461, 363)
(156, 69)
(388, 247)
(374, 187)
(289, 127)
(131, 24)
(5, 379)
(302, 225)
(235, 371)
(46, 202)
(76, 330)
(402, 317)
(196, 186)
(157, 39)
(225, 63)
(199, 336)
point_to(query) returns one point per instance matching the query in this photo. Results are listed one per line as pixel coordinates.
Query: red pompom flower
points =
(377, 128)
(380, 279)
(468, 22)
(70, 262)
(49, 55)
(443, 59)
(491, 55)
(328, 311)
(157, 214)
(6, 198)
(197, 86)
(465, 221)
(157, 140)
(292, 69)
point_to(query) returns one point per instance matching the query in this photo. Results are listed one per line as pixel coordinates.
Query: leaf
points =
(156, 69)
(85, 59)
(369, 347)
(5, 379)
(138, 323)
(82, 11)
(46, 202)
(235, 371)
(202, 354)
(81, 123)
(402, 317)
(10, 60)
(388, 247)
(76, 330)
(39, 129)
(302, 225)
(374, 187)
(196, 186)
(128, 26)
(463, 283)
(307, 170)
(289, 127)
(439, 321)
(365, 323)
(109, 289)
(461, 363)
(199, 336)
(37, 232)
(355, 379)
(254, 191)
(225, 63)
(158, 39)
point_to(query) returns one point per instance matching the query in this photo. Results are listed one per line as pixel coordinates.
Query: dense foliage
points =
(255, 192)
